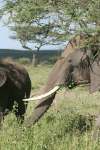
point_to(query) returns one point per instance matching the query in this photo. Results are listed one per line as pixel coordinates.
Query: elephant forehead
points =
(75, 57)
(75, 43)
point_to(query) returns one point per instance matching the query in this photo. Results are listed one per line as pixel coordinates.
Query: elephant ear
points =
(3, 78)
(95, 75)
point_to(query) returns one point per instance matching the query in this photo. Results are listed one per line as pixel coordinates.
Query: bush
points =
(23, 60)
(45, 63)
(53, 59)
(7, 58)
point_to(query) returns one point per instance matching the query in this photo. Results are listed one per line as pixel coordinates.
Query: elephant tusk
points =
(44, 95)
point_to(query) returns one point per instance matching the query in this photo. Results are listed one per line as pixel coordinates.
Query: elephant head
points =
(74, 63)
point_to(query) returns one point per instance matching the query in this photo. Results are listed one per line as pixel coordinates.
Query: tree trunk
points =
(33, 60)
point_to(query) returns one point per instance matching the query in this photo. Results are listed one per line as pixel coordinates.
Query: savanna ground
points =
(72, 129)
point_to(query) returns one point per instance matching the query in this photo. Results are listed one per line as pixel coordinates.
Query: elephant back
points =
(15, 72)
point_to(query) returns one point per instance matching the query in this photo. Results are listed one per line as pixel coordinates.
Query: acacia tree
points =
(41, 35)
(31, 34)
(32, 23)
(84, 14)
(72, 16)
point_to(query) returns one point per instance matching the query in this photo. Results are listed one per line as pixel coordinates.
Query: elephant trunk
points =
(60, 75)
(41, 108)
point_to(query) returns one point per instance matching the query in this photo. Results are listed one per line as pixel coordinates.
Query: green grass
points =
(38, 75)
(71, 129)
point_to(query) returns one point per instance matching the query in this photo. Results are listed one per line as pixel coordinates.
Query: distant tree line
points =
(27, 61)
(43, 55)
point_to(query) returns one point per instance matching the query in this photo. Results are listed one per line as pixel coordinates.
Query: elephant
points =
(75, 62)
(15, 84)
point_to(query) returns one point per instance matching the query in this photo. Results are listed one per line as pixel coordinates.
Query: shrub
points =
(7, 58)
(45, 63)
(23, 60)
(53, 59)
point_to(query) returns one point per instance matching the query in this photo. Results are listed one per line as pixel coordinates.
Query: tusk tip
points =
(24, 100)
(44, 95)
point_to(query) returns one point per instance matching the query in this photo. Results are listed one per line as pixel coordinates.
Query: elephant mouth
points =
(44, 95)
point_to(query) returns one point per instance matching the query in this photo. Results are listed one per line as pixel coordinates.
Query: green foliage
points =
(7, 58)
(69, 18)
(45, 62)
(23, 60)
(53, 59)
(71, 84)
(15, 107)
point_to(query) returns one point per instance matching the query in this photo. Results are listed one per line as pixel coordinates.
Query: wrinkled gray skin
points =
(14, 85)
(74, 63)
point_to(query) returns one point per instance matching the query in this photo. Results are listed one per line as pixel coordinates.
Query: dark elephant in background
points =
(15, 84)
(75, 62)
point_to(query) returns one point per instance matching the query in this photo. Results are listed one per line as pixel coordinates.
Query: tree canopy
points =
(66, 17)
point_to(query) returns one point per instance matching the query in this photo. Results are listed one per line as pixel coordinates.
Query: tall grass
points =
(72, 129)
